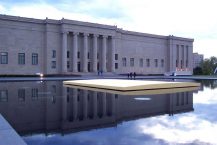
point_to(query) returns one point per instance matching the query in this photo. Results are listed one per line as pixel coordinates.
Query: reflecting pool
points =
(48, 113)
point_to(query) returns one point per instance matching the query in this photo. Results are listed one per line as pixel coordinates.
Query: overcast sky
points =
(186, 18)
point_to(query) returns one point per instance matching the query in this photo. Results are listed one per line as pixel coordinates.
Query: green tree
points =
(208, 65)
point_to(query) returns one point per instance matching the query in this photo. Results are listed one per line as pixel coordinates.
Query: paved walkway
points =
(8, 136)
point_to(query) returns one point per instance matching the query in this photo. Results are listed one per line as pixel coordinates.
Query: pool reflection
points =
(49, 107)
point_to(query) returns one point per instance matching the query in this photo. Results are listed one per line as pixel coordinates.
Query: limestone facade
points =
(30, 46)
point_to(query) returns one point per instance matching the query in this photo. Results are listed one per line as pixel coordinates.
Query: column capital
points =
(113, 37)
(86, 34)
(65, 32)
(95, 35)
(75, 33)
(104, 36)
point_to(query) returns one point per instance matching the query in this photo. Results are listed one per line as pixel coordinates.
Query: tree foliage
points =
(208, 66)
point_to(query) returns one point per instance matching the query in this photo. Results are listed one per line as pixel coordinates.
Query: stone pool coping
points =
(8, 136)
(129, 85)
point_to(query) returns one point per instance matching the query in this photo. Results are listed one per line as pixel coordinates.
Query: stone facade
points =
(68, 46)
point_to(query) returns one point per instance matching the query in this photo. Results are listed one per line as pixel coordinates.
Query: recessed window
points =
(3, 96)
(156, 62)
(4, 58)
(116, 65)
(68, 64)
(116, 56)
(53, 53)
(177, 63)
(34, 93)
(148, 62)
(78, 54)
(88, 55)
(141, 62)
(186, 63)
(34, 59)
(68, 53)
(162, 62)
(124, 61)
(21, 58)
(21, 95)
(132, 62)
(53, 64)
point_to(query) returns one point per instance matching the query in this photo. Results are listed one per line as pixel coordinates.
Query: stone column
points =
(95, 105)
(94, 56)
(75, 104)
(104, 104)
(85, 51)
(190, 58)
(64, 52)
(85, 107)
(104, 47)
(75, 52)
(184, 58)
(64, 104)
(113, 55)
(113, 105)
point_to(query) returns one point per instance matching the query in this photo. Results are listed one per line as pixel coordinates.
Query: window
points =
(34, 93)
(3, 95)
(116, 56)
(34, 59)
(162, 62)
(88, 55)
(68, 64)
(177, 63)
(78, 54)
(21, 95)
(54, 54)
(156, 62)
(97, 55)
(181, 64)
(21, 58)
(124, 61)
(116, 65)
(186, 63)
(4, 58)
(131, 62)
(148, 62)
(68, 54)
(141, 62)
(53, 64)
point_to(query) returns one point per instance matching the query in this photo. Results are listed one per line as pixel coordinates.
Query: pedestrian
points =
(128, 75)
(134, 75)
(131, 75)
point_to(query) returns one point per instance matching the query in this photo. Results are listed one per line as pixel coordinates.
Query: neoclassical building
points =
(29, 46)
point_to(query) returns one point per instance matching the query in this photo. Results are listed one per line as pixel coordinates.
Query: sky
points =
(184, 18)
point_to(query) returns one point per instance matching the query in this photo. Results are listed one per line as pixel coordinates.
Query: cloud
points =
(191, 19)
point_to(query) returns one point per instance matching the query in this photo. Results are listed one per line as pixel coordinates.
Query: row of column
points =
(182, 56)
(85, 53)
(96, 111)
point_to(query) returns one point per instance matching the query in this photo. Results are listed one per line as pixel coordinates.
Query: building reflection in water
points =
(47, 107)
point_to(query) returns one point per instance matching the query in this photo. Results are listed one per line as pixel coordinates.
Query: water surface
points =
(47, 113)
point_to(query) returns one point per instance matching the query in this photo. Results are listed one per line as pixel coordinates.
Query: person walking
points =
(134, 75)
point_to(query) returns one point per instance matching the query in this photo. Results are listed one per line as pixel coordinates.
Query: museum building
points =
(29, 46)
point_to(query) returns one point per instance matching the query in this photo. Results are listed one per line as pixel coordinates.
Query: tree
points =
(208, 65)
(198, 71)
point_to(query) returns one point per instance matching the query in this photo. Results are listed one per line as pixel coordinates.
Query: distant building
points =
(197, 59)
(29, 46)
